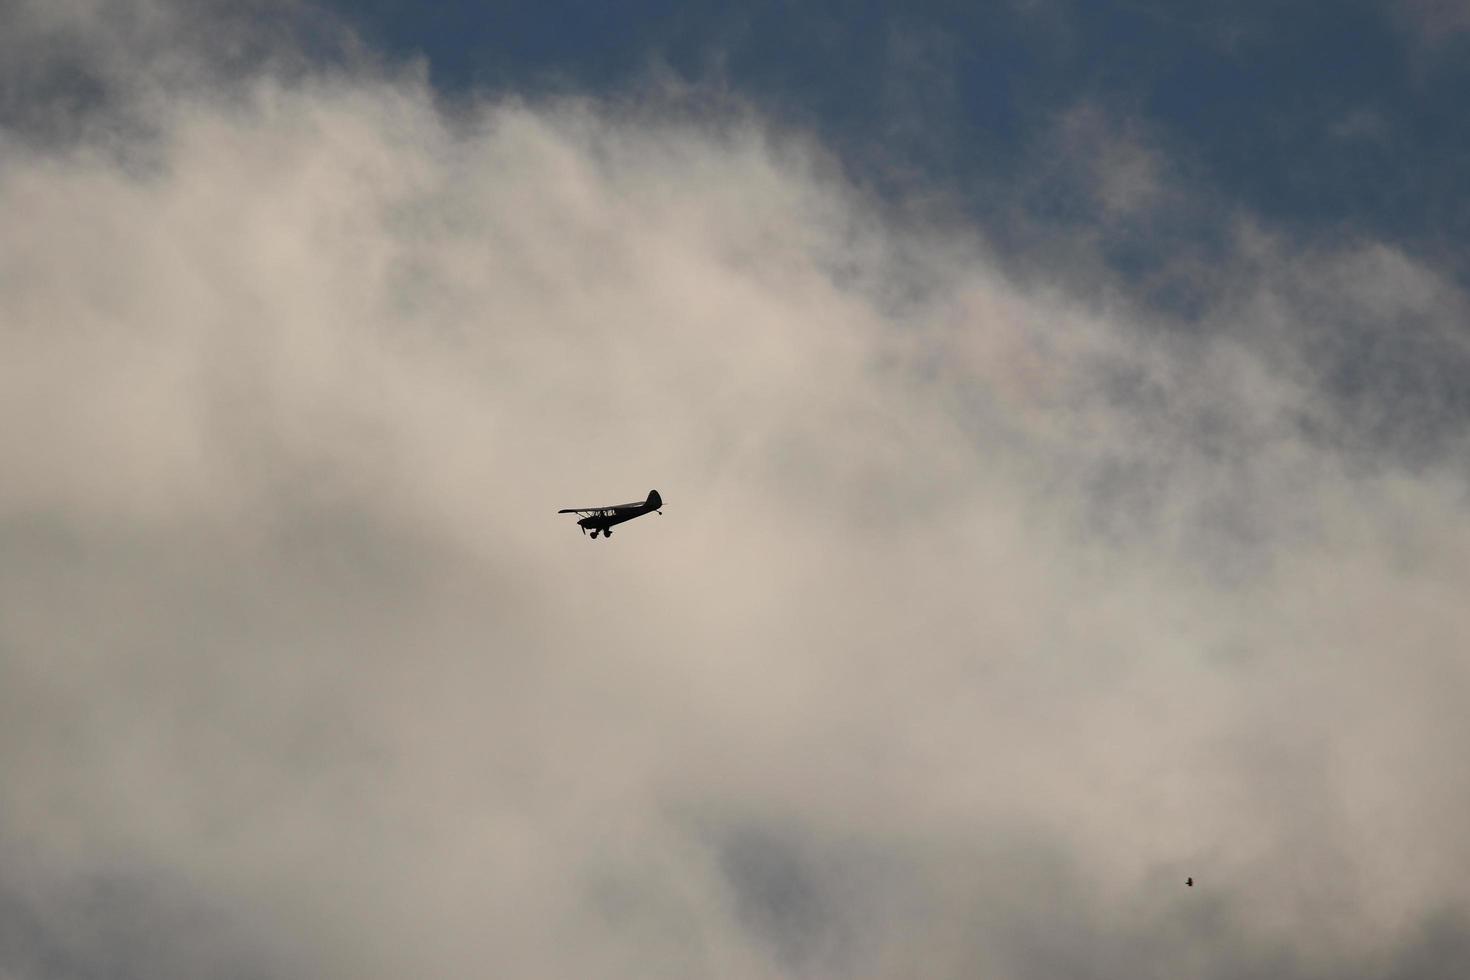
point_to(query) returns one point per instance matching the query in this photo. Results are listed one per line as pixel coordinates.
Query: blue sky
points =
(1322, 117)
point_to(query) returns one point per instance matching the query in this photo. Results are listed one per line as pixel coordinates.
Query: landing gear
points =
(594, 535)
(607, 532)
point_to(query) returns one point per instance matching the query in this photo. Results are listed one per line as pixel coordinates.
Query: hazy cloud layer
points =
(1434, 21)
(985, 607)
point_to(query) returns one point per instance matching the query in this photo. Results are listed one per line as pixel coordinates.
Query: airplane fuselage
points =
(601, 522)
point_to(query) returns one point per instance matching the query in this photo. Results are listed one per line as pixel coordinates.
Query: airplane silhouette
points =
(1189, 882)
(602, 519)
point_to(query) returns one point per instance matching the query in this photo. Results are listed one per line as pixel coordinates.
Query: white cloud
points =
(980, 614)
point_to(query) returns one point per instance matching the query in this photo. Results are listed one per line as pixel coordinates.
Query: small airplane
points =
(1189, 882)
(602, 519)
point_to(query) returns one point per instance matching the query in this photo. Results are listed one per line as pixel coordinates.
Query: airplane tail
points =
(654, 501)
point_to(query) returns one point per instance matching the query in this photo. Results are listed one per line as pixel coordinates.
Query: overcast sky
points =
(1061, 411)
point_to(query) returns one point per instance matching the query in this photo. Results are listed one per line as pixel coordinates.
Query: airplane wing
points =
(601, 510)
